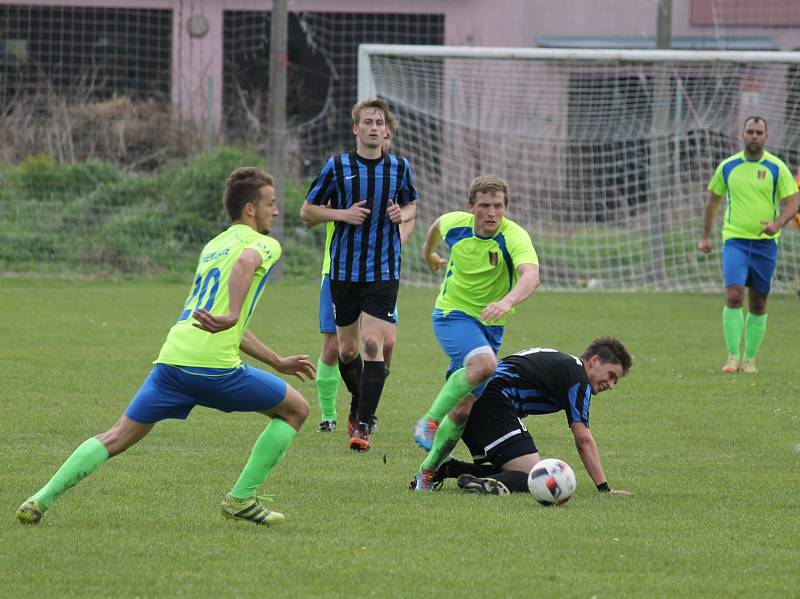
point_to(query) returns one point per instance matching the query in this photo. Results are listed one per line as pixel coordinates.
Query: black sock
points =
(515, 481)
(351, 375)
(455, 468)
(372, 379)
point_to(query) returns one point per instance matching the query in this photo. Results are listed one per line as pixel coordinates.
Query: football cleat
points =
(732, 365)
(31, 511)
(373, 425)
(424, 432)
(749, 367)
(424, 479)
(482, 486)
(360, 439)
(326, 426)
(250, 510)
(352, 424)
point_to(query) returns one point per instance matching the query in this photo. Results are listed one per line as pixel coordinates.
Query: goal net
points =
(608, 153)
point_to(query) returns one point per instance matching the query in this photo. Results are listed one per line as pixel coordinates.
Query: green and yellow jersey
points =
(326, 257)
(187, 345)
(753, 191)
(480, 270)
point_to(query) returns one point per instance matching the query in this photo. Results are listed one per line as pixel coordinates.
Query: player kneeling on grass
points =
(200, 364)
(530, 382)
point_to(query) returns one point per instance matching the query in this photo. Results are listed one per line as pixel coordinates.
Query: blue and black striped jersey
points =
(370, 251)
(542, 381)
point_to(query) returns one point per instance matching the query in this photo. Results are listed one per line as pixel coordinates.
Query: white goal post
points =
(608, 153)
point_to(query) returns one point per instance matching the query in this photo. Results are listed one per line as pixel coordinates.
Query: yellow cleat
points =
(31, 511)
(250, 510)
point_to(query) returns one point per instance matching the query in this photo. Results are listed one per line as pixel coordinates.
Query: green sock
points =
(327, 383)
(90, 455)
(732, 323)
(754, 328)
(269, 449)
(444, 442)
(449, 395)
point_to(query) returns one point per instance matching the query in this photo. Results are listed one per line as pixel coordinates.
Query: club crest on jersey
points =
(493, 258)
(761, 175)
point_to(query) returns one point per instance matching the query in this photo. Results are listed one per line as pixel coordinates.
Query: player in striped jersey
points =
(754, 183)
(200, 364)
(327, 381)
(532, 382)
(368, 194)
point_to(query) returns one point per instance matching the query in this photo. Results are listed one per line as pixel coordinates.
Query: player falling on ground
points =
(531, 382)
(754, 182)
(327, 381)
(492, 267)
(367, 194)
(199, 363)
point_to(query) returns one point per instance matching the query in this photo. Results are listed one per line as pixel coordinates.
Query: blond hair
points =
(487, 184)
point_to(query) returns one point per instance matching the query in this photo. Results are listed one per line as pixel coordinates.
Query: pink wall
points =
(467, 22)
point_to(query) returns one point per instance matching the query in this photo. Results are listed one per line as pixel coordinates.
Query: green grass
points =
(712, 459)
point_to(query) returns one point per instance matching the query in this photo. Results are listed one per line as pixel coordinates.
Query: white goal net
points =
(607, 153)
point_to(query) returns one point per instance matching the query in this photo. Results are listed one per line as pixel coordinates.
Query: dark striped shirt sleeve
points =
(578, 399)
(324, 186)
(406, 193)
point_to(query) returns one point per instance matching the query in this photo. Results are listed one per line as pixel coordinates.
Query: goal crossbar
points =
(366, 84)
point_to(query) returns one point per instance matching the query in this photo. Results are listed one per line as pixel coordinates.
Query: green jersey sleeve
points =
(520, 246)
(787, 185)
(717, 183)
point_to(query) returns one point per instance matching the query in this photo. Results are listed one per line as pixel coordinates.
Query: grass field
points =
(712, 460)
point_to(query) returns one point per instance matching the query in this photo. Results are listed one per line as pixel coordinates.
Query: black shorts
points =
(378, 299)
(494, 432)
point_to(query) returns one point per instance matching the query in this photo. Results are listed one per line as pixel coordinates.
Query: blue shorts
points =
(172, 392)
(327, 321)
(327, 324)
(462, 336)
(749, 262)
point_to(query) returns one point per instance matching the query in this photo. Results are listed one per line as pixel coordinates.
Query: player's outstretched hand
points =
(435, 261)
(356, 214)
(213, 324)
(704, 245)
(496, 310)
(394, 213)
(770, 227)
(299, 366)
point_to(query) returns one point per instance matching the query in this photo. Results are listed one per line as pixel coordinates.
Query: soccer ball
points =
(551, 482)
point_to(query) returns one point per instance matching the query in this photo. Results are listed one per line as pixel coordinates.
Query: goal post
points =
(608, 153)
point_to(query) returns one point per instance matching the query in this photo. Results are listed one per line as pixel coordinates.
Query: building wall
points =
(198, 61)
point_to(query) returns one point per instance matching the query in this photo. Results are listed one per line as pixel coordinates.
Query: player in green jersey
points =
(492, 267)
(199, 363)
(754, 183)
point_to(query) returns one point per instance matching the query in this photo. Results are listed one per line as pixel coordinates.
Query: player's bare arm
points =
(712, 206)
(407, 221)
(298, 366)
(590, 455)
(432, 239)
(312, 215)
(526, 284)
(790, 206)
(239, 284)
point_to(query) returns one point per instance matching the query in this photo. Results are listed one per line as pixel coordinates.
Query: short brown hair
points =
(611, 351)
(243, 186)
(370, 104)
(756, 119)
(487, 184)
